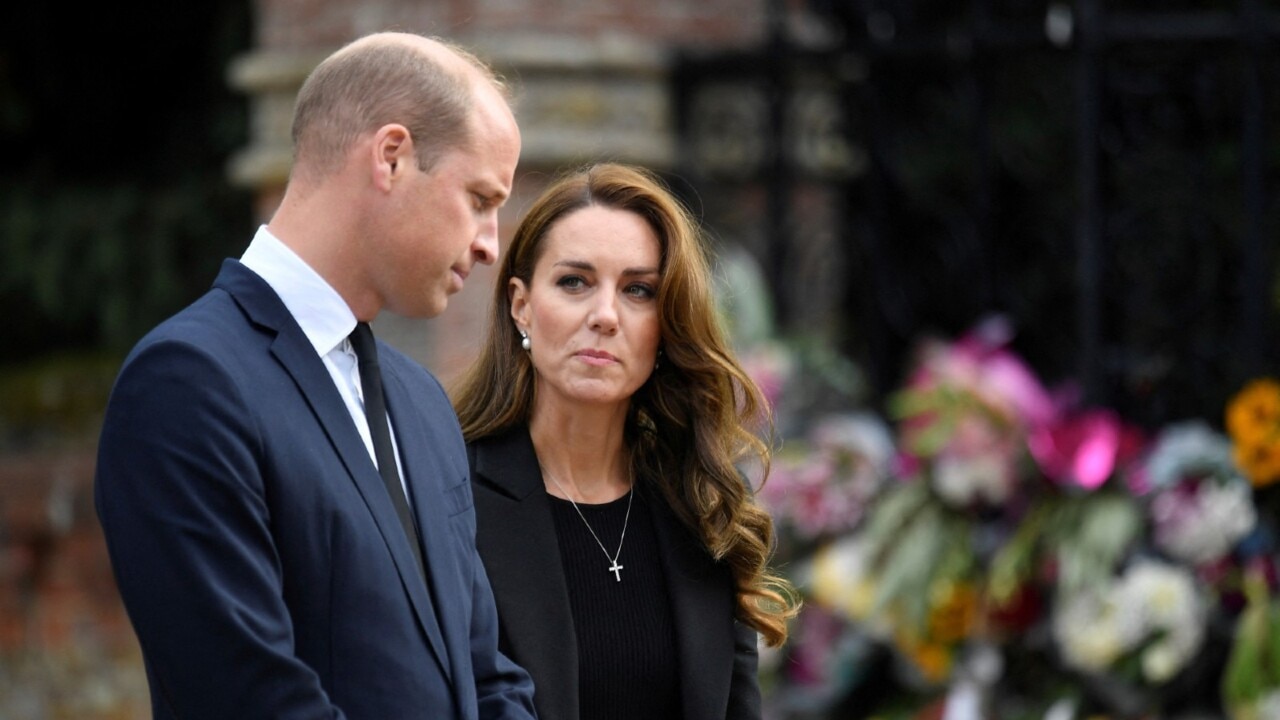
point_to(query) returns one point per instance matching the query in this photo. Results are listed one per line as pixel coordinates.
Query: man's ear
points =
(518, 295)
(392, 151)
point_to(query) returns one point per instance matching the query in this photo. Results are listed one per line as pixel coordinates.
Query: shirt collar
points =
(319, 310)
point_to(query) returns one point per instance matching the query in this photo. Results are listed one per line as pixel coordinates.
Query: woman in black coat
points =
(605, 419)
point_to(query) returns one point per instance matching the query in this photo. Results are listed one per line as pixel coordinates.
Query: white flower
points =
(839, 577)
(962, 480)
(1161, 661)
(1151, 601)
(1166, 593)
(862, 434)
(1092, 630)
(1188, 448)
(1269, 706)
(1202, 527)
(1172, 610)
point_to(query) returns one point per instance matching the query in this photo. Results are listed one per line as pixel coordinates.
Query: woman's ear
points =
(518, 295)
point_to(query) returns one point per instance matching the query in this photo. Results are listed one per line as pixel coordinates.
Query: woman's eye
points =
(641, 290)
(571, 282)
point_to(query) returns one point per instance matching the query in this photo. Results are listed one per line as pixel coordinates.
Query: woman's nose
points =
(604, 316)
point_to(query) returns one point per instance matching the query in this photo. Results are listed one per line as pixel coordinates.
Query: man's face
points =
(446, 220)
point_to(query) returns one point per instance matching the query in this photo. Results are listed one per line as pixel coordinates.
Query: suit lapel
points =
(517, 539)
(702, 605)
(296, 354)
(428, 477)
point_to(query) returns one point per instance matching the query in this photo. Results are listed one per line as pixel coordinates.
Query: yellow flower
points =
(1260, 462)
(932, 659)
(954, 613)
(1253, 415)
(1253, 422)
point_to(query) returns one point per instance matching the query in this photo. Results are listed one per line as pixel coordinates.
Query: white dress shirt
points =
(324, 318)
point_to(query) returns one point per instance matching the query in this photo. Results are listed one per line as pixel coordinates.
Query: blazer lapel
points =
(296, 354)
(702, 604)
(517, 539)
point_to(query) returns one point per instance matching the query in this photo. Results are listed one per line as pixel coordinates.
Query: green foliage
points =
(114, 205)
(98, 266)
(54, 398)
(915, 544)
(1091, 535)
(1087, 535)
(1253, 668)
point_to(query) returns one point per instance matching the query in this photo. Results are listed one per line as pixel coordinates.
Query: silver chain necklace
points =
(614, 568)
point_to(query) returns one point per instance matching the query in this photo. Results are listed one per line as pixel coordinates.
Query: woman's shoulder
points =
(505, 462)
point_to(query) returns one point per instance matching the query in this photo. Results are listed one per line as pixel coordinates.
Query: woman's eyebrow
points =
(584, 265)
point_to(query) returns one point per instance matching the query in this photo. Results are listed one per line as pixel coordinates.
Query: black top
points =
(516, 536)
(628, 664)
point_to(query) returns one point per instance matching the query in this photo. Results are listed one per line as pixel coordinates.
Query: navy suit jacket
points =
(254, 544)
(718, 658)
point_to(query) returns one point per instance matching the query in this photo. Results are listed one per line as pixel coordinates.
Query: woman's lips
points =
(596, 357)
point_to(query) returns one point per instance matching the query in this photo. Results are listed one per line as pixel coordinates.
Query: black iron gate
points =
(1102, 172)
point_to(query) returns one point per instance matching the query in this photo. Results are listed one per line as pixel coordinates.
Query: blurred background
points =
(1007, 268)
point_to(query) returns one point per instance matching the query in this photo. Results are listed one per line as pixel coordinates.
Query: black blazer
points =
(516, 537)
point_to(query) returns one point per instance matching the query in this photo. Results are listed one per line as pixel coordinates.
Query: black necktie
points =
(375, 411)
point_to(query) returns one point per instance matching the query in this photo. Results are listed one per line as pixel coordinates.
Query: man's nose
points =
(485, 247)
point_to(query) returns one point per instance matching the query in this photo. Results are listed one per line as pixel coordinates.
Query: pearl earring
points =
(524, 341)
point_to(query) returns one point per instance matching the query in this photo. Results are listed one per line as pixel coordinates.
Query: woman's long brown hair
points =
(691, 423)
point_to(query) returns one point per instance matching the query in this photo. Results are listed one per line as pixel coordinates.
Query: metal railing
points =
(1087, 158)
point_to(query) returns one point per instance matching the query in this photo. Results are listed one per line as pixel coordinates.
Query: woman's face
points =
(591, 308)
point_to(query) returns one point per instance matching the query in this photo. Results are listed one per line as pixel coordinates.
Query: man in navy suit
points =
(268, 561)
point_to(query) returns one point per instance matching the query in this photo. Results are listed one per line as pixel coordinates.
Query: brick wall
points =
(320, 23)
(66, 647)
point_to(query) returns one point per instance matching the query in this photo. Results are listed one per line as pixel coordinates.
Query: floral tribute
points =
(995, 548)
(1253, 420)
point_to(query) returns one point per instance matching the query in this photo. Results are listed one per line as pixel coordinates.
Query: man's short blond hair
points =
(373, 82)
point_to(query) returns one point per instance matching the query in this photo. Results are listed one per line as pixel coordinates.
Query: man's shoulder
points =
(236, 302)
(407, 368)
(205, 323)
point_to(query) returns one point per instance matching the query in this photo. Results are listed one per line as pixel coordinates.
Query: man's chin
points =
(423, 311)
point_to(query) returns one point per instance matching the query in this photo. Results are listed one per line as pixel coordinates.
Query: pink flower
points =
(771, 367)
(1084, 449)
(905, 466)
(1080, 450)
(978, 465)
(1004, 378)
(824, 487)
(981, 365)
